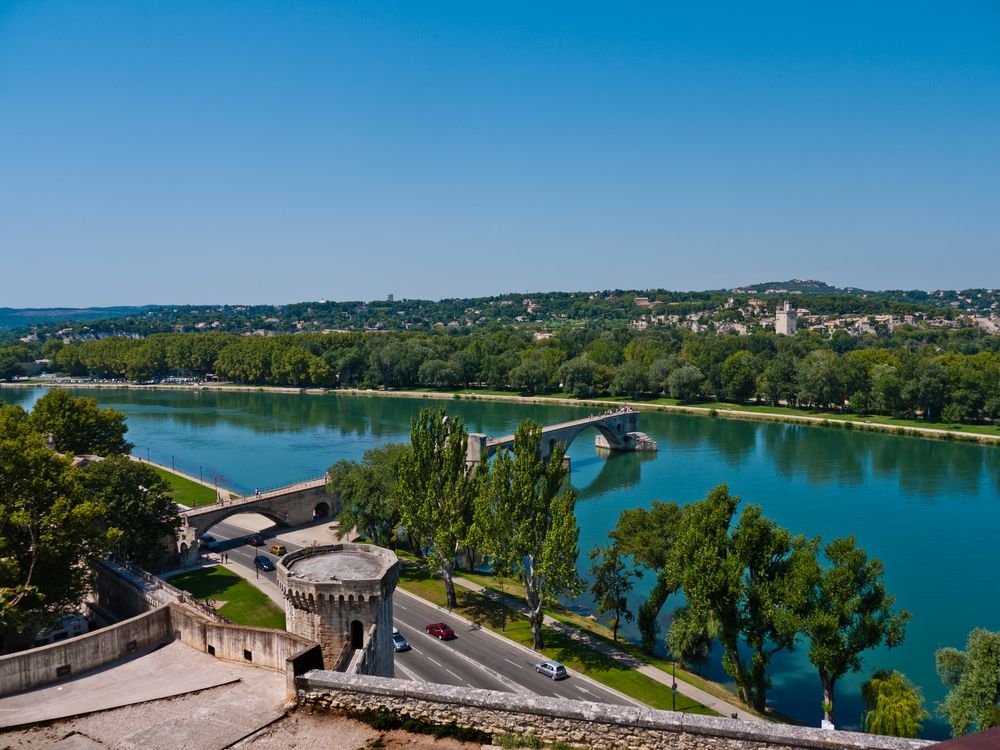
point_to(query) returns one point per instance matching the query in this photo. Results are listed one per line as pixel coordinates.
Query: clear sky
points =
(255, 152)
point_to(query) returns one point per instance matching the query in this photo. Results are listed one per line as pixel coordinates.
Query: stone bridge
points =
(618, 431)
(287, 506)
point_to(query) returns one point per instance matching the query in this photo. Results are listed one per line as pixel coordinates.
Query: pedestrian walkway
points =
(706, 699)
(173, 670)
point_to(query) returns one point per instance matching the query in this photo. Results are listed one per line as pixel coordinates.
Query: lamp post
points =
(673, 684)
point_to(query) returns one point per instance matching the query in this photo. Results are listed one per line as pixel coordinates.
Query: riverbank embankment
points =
(832, 420)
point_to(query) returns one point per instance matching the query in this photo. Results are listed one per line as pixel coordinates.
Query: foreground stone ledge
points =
(596, 725)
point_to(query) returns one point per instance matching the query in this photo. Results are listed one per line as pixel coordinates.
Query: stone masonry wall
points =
(595, 725)
(35, 667)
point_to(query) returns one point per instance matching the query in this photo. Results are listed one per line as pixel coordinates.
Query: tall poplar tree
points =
(525, 520)
(436, 492)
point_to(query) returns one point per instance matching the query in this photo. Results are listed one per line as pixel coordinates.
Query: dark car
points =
(256, 540)
(209, 541)
(263, 562)
(552, 669)
(399, 642)
(440, 631)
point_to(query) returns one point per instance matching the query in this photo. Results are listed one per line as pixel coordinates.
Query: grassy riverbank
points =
(186, 491)
(983, 434)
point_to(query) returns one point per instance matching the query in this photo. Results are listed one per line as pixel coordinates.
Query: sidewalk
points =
(695, 693)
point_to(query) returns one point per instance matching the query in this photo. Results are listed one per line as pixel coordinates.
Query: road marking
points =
(519, 666)
(435, 661)
(583, 690)
(409, 674)
(457, 677)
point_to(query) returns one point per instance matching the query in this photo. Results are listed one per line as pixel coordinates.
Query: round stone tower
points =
(340, 596)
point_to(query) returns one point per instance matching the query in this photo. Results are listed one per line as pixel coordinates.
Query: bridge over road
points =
(287, 506)
(618, 431)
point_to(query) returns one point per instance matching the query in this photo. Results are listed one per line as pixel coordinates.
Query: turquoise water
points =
(929, 510)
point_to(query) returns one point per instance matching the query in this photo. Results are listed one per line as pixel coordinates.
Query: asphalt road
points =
(476, 658)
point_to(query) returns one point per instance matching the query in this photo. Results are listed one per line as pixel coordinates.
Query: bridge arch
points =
(217, 519)
(322, 510)
(614, 437)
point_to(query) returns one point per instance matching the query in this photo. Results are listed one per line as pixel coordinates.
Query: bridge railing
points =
(284, 485)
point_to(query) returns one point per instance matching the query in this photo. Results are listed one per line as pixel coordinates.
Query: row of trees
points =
(756, 589)
(517, 510)
(56, 519)
(936, 375)
(748, 583)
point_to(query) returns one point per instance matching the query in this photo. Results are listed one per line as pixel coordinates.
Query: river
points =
(930, 510)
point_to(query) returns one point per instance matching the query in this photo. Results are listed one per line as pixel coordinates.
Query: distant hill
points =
(12, 317)
(795, 286)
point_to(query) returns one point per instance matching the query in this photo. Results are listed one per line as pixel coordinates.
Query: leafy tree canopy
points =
(79, 426)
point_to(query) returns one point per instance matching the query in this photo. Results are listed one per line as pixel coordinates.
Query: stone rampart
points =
(595, 725)
(261, 647)
(36, 667)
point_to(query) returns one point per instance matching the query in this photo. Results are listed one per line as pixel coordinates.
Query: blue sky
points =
(252, 152)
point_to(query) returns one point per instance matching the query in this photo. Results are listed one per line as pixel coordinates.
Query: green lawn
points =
(244, 603)
(561, 647)
(761, 409)
(185, 491)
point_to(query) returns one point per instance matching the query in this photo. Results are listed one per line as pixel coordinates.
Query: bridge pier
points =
(618, 431)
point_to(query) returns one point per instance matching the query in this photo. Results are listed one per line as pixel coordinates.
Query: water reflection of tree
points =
(822, 456)
(350, 415)
(733, 440)
(929, 468)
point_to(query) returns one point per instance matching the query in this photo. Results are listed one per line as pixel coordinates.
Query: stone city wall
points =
(594, 725)
(40, 666)
(261, 647)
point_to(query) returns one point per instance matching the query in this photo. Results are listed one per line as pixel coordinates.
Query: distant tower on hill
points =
(786, 319)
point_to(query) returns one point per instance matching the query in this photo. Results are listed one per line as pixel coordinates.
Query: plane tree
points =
(849, 613)
(612, 581)
(973, 681)
(748, 584)
(78, 425)
(137, 503)
(648, 536)
(366, 490)
(50, 528)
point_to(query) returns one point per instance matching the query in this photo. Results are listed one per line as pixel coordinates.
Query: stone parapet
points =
(594, 725)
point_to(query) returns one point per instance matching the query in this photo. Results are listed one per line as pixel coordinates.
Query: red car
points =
(440, 631)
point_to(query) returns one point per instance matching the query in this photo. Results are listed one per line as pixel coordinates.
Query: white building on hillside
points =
(786, 319)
